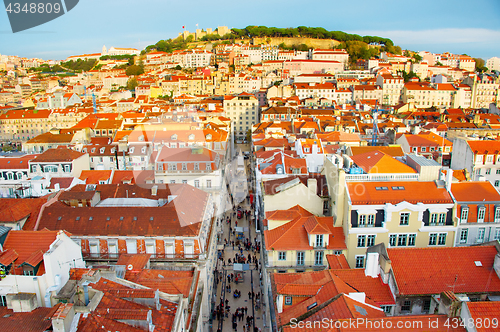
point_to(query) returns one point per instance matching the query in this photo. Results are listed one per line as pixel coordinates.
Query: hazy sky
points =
(457, 26)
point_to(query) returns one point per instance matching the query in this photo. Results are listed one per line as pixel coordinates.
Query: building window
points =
(386, 308)
(402, 240)
(184, 166)
(427, 306)
(497, 182)
(184, 181)
(209, 184)
(196, 183)
(370, 240)
(497, 233)
(362, 220)
(3, 301)
(442, 239)
(300, 257)
(498, 170)
(488, 171)
(406, 305)
(288, 300)
(464, 214)
(463, 235)
(361, 241)
(404, 218)
(196, 166)
(319, 240)
(480, 214)
(366, 220)
(432, 239)
(282, 255)
(393, 240)
(318, 258)
(480, 235)
(411, 240)
(209, 167)
(360, 262)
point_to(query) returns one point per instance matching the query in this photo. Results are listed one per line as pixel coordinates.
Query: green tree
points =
(417, 57)
(132, 83)
(480, 65)
(134, 70)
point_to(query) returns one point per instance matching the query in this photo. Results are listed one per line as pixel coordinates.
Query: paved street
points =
(238, 310)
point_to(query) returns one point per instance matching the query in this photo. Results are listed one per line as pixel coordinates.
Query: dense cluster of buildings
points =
(376, 196)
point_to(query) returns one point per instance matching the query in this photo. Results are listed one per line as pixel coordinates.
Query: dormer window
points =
(306, 150)
(208, 137)
(143, 150)
(319, 240)
(141, 138)
(113, 150)
(131, 150)
(481, 213)
(191, 137)
(173, 137)
(93, 150)
(497, 214)
(102, 150)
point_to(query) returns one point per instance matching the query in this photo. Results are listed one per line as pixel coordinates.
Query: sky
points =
(456, 26)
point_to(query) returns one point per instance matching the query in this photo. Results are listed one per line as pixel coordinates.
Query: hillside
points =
(300, 38)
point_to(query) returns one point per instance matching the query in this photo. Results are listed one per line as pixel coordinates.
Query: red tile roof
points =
(94, 176)
(374, 288)
(34, 321)
(394, 151)
(64, 182)
(362, 193)
(293, 235)
(15, 163)
(434, 270)
(488, 313)
(57, 155)
(29, 244)
(337, 262)
(271, 186)
(484, 147)
(483, 191)
(379, 162)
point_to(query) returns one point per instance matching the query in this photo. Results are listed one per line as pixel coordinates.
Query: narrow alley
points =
(240, 304)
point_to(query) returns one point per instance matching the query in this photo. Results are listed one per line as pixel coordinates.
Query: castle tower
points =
(104, 50)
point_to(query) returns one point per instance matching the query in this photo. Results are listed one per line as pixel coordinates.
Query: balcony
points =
(153, 258)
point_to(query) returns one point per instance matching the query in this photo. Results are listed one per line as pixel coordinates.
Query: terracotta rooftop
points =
(379, 162)
(362, 193)
(34, 321)
(434, 270)
(270, 187)
(57, 155)
(483, 192)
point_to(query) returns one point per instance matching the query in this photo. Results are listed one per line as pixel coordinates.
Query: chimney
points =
(312, 185)
(372, 268)
(63, 317)
(449, 178)
(360, 297)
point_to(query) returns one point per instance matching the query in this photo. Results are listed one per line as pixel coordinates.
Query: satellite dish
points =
(130, 267)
